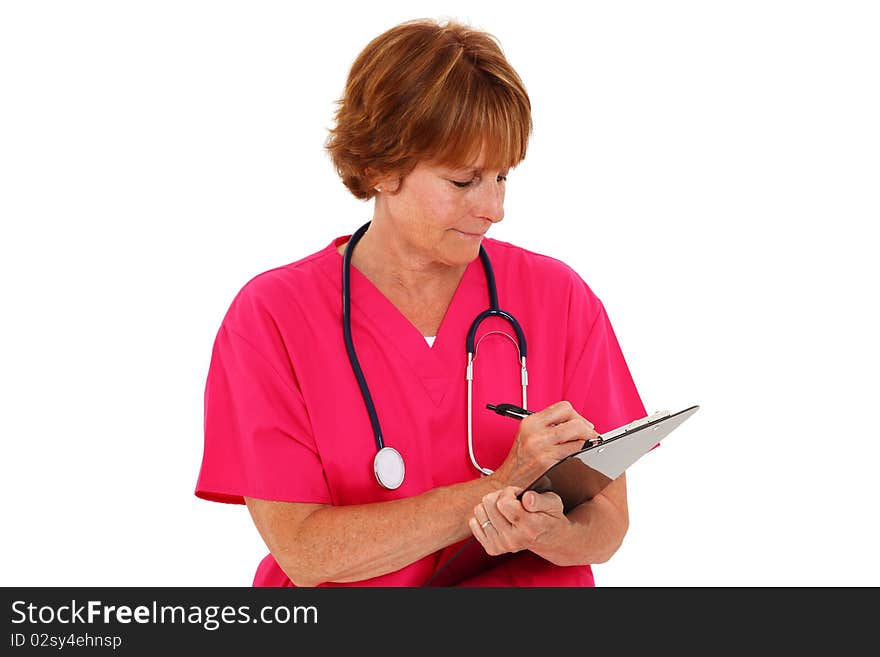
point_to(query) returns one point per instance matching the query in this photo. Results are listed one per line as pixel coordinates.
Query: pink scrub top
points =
(285, 419)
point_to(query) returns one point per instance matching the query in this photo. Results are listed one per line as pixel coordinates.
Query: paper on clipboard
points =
(579, 477)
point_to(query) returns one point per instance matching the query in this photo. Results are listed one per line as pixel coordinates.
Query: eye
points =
(502, 177)
(462, 185)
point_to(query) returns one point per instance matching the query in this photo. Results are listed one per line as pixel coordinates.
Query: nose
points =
(490, 203)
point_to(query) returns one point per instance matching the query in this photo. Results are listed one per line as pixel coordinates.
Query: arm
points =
(596, 529)
(315, 543)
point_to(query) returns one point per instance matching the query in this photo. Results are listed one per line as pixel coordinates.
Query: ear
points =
(390, 185)
(387, 183)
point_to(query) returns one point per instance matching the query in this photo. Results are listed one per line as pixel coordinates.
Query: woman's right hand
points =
(544, 437)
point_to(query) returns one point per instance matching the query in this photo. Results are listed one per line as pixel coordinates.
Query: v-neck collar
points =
(437, 365)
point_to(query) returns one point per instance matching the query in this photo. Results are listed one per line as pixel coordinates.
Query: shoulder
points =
(544, 276)
(525, 261)
(280, 290)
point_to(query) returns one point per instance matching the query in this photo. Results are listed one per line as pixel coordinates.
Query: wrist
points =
(496, 481)
(555, 545)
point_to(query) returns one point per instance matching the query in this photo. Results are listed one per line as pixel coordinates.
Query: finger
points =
(571, 434)
(560, 451)
(481, 511)
(479, 533)
(555, 452)
(484, 532)
(549, 503)
(555, 443)
(561, 413)
(494, 514)
(554, 414)
(487, 499)
(509, 506)
(575, 429)
(480, 515)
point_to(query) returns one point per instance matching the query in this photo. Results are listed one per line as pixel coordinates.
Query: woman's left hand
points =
(501, 523)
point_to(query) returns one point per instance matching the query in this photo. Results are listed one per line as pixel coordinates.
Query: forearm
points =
(594, 532)
(353, 543)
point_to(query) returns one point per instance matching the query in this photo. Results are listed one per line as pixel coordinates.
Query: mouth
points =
(467, 234)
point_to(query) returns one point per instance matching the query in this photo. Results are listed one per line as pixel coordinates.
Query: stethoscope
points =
(388, 463)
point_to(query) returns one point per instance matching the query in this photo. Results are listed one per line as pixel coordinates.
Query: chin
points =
(465, 256)
(459, 249)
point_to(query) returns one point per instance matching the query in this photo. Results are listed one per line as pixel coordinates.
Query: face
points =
(441, 213)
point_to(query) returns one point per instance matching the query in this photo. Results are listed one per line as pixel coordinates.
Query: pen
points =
(511, 410)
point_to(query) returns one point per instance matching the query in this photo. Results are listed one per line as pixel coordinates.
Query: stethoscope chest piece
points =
(389, 468)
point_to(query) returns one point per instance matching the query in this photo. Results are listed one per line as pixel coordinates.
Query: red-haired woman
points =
(339, 403)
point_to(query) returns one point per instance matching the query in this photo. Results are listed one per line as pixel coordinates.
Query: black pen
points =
(511, 410)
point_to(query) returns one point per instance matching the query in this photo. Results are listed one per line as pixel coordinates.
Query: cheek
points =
(448, 211)
(436, 214)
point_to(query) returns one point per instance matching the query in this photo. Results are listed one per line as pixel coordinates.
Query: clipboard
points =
(576, 479)
(579, 477)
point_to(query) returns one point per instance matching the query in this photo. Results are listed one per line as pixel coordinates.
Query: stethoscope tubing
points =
(470, 348)
(349, 343)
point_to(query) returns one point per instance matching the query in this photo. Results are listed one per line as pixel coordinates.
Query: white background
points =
(710, 168)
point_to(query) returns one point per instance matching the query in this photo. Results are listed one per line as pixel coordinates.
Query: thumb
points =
(544, 502)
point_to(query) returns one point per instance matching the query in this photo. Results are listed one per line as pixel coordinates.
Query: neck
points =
(420, 288)
(397, 269)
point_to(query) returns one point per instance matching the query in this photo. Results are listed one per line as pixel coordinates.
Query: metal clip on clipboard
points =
(635, 424)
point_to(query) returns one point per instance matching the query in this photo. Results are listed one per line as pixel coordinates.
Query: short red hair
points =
(426, 90)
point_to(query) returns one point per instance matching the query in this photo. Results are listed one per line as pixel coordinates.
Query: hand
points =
(501, 523)
(543, 439)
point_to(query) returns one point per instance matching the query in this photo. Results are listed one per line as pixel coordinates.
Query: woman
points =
(432, 120)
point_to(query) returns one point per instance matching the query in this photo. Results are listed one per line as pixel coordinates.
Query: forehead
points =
(480, 157)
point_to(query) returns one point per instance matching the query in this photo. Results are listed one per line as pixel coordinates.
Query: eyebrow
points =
(466, 167)
(473, 170)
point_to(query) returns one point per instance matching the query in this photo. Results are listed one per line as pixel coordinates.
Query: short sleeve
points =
(258, 440)
(598, 383)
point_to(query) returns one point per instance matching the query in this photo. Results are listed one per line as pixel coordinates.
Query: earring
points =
(378, 189)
